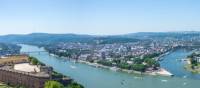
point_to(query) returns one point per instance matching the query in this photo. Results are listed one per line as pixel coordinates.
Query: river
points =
(92, 77)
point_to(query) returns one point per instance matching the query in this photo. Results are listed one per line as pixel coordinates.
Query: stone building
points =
(17, 71)
(17, 78)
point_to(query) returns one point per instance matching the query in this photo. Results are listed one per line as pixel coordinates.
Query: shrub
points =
(53, 84)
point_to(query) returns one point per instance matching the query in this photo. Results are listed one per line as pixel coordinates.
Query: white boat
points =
(184, 83)
(73, 67)
(52, 54)
(164, 80)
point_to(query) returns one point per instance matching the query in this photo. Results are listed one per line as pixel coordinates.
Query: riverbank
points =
(159, 58)
(193, 62)
(188, 67)
(160, 71)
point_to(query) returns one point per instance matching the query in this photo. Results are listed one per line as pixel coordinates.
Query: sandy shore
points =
(163, 72)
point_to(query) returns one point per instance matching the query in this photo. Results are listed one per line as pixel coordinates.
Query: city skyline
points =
(99, 17)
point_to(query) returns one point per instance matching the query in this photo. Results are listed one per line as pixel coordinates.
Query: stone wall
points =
(22, 79)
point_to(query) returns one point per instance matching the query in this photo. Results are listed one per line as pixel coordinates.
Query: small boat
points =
(73, 67)
(164, 80)
(184, 76)
(52, 54)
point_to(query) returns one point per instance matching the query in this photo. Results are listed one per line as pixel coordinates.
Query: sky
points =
(98, 17)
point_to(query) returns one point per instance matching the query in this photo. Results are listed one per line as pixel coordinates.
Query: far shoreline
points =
(159, 72)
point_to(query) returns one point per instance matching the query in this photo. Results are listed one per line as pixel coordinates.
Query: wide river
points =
(92, 77)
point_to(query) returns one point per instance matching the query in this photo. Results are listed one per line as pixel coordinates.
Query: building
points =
(19, 78)
(197, 59)
(17, 71)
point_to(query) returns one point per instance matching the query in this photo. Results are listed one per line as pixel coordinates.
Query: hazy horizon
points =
(98, 17)
(95, 34)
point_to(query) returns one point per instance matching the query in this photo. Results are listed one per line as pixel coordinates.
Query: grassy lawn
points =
(4, 86)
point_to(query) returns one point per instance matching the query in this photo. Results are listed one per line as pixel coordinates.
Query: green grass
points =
(4, 86)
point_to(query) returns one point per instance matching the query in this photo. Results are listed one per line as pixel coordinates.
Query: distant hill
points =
(45, 38)
(163, 35)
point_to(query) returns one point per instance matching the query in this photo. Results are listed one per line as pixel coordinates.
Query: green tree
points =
(53, 84)
(123, 65)
(75, 85)
(138, 67)
(137, 60)
(193, 62)
(105, 62)
(152, 63)
(33, 60)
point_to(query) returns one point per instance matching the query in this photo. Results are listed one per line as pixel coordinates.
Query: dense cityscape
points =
(135, 55)
(99, 43)
(138, 55)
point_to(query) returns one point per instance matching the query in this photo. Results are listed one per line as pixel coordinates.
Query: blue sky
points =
(102, 17)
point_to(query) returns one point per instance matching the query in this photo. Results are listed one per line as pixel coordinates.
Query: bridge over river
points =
(29, 52)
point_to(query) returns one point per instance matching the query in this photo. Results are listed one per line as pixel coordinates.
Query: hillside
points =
(44, 38)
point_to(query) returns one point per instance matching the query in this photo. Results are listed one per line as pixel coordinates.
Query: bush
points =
(152, 63)
(123, 65)
(53, 84)
(138, 60)
(33, 60)
(106, 63)
(75, 85)
(193, 62)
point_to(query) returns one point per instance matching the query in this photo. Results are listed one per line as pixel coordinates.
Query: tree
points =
(193, 62)
(123, 65)
(117, 61)
(137, 60)
(75, 85)
(106, 63)
(152, 63)
(53, 84)
(138, 67)
(33, 60)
